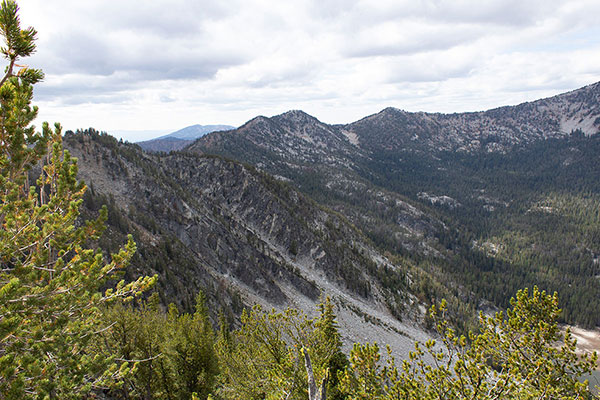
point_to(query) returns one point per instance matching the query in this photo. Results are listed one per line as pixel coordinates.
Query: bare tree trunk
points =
(312, 386)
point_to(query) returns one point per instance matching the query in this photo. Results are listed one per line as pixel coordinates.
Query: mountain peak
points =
(296, 115)
(256, 121)
(392, 110)
(388, 112)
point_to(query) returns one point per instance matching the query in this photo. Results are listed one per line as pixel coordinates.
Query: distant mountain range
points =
(387, 215)
(517, 189)
(179, 139)
(295, 135)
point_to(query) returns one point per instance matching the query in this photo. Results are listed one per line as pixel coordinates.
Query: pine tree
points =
(255, 360)
(49, 279)
(327, 346)
(520, 354)
(172, 355)
(138, 333)
(191, 352)
(273, 356)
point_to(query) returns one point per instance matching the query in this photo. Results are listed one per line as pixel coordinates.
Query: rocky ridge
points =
(496, 130)
(244, 237)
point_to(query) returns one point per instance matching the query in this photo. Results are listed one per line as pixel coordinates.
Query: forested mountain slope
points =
(496, 200)
(242, 236)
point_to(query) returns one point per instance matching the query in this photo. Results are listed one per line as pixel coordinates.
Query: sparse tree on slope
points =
(49, 280)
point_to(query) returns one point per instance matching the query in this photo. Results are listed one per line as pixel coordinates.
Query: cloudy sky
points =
(157, 66)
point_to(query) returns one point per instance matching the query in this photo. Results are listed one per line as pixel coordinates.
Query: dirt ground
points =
(587, 340)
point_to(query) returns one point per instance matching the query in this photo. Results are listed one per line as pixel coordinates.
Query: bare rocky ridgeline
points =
(301, 138)
(244, 237)
(496, 130)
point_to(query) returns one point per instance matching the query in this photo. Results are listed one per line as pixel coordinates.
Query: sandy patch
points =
(352, 137)
(588, 340)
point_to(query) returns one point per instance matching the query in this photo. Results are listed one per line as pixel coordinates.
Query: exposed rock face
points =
(241, 234)
(293, 140)
(297, 137)
(325, 161)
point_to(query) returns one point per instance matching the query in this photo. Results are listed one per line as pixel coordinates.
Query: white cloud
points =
(166, 64)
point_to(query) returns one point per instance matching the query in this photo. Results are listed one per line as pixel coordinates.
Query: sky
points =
(138, 69)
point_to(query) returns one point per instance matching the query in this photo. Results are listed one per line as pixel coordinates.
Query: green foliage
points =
(170, 355)
(256, 362)
(518, 355)
(327, 348)
(178, 356)
(49, 280)
(191, 351)
(263, 358)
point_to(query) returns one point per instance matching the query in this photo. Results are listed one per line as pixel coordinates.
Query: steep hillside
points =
(288, 141)
(324, 163)
(203, 222)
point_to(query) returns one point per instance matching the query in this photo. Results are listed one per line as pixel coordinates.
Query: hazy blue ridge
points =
(196, 131)
(179, 139)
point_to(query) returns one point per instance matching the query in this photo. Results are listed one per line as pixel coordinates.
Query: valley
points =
(397, 255)
(461, 196)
